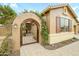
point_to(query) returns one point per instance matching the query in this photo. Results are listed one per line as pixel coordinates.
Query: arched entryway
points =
(29, 31)
(27, 18)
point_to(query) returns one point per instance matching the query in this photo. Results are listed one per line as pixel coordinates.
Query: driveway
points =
(37, 50)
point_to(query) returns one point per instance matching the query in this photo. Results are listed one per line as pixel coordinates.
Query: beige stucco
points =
(46, 18)
(55, 38)
(34, 31)
(3, 31)
(16, 29)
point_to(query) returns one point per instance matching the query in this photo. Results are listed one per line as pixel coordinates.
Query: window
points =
(63, 24)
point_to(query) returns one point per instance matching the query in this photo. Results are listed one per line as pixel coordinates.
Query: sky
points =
(19, 7)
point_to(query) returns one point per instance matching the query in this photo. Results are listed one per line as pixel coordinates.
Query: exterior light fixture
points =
(15, 26)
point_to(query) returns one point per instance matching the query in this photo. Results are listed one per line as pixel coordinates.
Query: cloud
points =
(4, 3)
(13, 5)
(76, 8)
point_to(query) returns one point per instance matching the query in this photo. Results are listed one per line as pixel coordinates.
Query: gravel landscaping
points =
(60, 44)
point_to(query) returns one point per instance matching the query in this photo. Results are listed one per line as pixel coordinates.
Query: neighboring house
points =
(62, 22)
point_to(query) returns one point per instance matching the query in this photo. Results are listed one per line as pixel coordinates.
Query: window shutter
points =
(57, 24)
(70, 25)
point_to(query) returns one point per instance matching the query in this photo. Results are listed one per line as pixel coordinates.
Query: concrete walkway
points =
(28, 39)
(37, 50)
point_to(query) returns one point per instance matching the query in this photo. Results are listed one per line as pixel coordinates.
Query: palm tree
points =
(7, 14)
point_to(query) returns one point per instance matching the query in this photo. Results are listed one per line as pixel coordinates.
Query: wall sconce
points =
(15, 26)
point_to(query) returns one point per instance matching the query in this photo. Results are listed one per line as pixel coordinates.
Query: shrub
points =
(5, 50)
(44, 28)
(44, 32)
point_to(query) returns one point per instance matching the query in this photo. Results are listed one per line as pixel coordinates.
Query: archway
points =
(16, 29)
(29, 31)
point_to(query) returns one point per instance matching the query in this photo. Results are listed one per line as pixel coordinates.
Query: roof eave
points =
(56, 6)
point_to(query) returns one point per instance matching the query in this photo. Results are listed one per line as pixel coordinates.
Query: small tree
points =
(7, 14)
(44, 28)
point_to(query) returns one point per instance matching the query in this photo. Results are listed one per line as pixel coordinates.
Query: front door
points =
(74, 29)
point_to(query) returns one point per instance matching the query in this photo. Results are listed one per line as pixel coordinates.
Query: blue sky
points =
(19, 7)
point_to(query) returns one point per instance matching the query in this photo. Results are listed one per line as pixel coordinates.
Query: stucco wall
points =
(4, 31)
(53, 15)
(46, 18)
(34, 31)
(55, 38)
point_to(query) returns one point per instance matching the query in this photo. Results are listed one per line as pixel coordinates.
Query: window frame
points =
(69, 26)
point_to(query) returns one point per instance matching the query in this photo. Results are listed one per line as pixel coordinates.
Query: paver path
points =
(28, 39)
(37, 50)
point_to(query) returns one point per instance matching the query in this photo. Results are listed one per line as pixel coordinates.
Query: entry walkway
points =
(28, 39)
(37, 50)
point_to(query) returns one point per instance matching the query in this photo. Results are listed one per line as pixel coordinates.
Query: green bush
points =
(5, 50)
(44, 28)
(44, 32)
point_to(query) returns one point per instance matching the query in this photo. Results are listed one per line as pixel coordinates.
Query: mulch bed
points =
(60, 44)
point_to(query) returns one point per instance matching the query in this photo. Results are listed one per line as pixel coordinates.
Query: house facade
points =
(61, 21)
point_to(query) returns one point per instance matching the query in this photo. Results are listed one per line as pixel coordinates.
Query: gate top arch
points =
(26, 16)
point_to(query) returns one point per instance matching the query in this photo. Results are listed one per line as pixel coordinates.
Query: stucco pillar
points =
(40, 37)
(16, 40)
